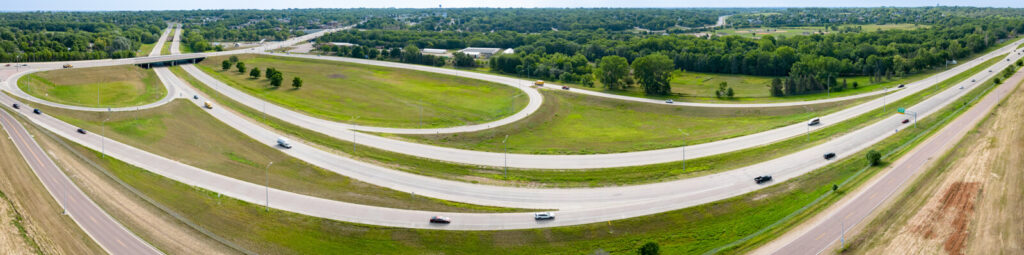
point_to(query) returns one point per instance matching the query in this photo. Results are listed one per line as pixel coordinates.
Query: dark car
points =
(37, 111)
(16, 106)
(195, 97)
(762, 179)
(905, 121)
(81, 131)
(830, 155)
(439, 219)
(901, 86)
(565, 87)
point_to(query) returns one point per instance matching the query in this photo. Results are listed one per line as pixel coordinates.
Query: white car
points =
(281, 141)
(669, 101)
(544, 216)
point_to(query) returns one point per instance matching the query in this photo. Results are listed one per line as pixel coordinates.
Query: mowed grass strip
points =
(371, 95)
(693, 230)
(115, 86)
(585, 177)
(570, 123)
(185, 133)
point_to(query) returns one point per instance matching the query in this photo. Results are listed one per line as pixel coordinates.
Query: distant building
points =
(344, 44)
(480, 52)
(433, 51)
(509, 51)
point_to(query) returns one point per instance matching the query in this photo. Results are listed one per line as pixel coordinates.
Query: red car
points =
(439, 219)
(905, 121)
(565, 87)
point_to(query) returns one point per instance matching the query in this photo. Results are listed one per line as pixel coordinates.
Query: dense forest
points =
(842, 16)
(46, 36)
(810, 62)
(540, 19)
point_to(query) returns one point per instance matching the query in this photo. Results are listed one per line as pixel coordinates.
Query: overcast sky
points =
(92, 5)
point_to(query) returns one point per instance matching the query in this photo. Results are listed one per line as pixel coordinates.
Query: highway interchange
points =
(576, 206)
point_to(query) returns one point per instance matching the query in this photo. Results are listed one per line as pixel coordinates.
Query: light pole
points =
(103, 147)
(353, 121)
(267, 186)
(506, 155)
(684, 147)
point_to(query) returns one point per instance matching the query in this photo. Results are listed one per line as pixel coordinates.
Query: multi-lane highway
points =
(106, 231)
(822, 233)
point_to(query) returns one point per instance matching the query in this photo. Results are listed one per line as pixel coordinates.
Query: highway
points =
(823, 233)
(577, 206)
(176, 43)
(532, 161)
(102, 228)
(160, 42)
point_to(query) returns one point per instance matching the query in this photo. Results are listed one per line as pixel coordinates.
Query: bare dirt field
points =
(973, 206)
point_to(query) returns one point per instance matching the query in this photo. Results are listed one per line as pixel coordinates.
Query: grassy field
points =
(807, 30)
(372, 95)
(570, 123)
(185, 133)
(115, 86)
(586, 177)
(692, 230)
(145, 49)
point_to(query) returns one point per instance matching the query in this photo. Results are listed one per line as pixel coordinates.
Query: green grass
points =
(570, 123)
(115, 86)
(145, 49)
(586, 177)
(185, 133)
(166, 50)
(691, 230)
(807, 30)
(375, 96)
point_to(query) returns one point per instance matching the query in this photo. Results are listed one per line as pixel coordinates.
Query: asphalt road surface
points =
(106, 231)
(827, 231)
(160, 42)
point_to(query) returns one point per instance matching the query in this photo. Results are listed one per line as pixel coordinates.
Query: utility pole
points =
(103, 147)
(267, 186)
(684, 147)
(353, 121)
(506, 155)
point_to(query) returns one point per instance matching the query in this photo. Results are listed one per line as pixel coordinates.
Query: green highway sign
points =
(901, 110)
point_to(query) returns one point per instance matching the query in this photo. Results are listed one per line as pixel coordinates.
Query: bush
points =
(855, 84)
(874, 157)
(649, 248)
(997, 81)
(225, 65)
(233, 59)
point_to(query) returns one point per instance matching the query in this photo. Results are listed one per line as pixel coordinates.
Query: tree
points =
(729, 93)
(723, 90)
(611, 71)
(649, 248)
(241, 67)
(997, 81)
(233, 59)
(874, 157)
(275, 80)
(270, 72)
(654, 72)
(297, 82)
(225, 65)
(463, 60)
(255, 73)
(776, 88)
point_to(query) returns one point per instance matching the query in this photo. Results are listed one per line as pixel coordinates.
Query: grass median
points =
(584, 177)
(693, 230)
(372, 95)
(113, 86)
(183, 132)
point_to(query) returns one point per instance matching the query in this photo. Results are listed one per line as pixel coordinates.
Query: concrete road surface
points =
(106, 231)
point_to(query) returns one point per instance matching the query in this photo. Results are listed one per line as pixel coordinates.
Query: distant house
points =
(509, 51)
(344, 44)
(480, 52)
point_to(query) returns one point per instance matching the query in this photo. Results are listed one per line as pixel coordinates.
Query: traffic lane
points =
(863, 204)
(160, 42)
(107, 232)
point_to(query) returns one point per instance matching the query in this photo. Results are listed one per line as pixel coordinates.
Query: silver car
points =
(544, 216)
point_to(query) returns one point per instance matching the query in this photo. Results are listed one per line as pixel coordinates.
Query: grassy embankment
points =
(145, 49)
(115, 86)
(570, 123)
(692, 230)
(185, 133)
(371, 95)
(584, 177)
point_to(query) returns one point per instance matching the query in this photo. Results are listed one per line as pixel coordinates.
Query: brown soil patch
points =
(337, 76)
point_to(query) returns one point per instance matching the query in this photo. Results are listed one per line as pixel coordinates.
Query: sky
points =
(92, 5)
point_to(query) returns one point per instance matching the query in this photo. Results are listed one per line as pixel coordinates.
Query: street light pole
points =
(353, 121)
(267, 186)
(506, 155)
(684, 147)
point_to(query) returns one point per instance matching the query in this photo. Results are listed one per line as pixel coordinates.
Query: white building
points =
(433, 51)
(480, 52)
(509, 51)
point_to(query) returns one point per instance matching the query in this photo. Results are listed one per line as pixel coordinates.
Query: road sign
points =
(901, 110)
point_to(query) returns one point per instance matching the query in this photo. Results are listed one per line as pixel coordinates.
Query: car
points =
(901, 86)
(972, 80)
(195, 97)
(440, 219)
(7, 65)
(669, 101)
(813, 122)
(762, 179)
(81, 131)
(905, 121)
(544, 216)
(16, 106)
(830, 155)
(37, 111)
(281, 141)
(990, 70)
(565, 87)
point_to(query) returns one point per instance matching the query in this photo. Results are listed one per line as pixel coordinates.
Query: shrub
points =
(874, 157)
